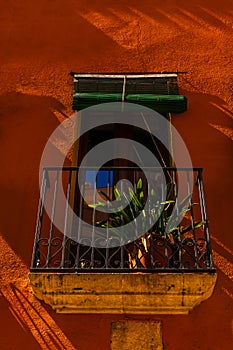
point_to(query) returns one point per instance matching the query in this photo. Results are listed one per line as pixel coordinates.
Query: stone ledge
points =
(131, 293)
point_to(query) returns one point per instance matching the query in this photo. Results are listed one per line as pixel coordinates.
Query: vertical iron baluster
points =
(165, 231)
(121, 241)
(107, 239)
(192, 219)
(36, 252)
(204, 218)
(93, 226)
(66, 220)
(135, 179)
(82, 194)
(181, 262)
(52, 219)
(151, 246)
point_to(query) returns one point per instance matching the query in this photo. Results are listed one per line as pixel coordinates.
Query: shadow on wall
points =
(102, 33)
(209, 326)
(167, 20)
(26, 122)
(24, 323)
(207, 128)
(51, 30)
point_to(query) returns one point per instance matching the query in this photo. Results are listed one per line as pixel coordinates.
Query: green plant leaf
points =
(141, 195)
(199, 224)
(182, 205)
(99, 204)
(135, 200)
(190, 227)
(139, 184)
(117, 193)
(168, 202)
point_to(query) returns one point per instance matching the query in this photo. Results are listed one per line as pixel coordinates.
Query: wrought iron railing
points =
(63, 243)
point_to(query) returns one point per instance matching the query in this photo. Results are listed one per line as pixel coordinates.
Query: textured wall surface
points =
(41, 41)
(131, 334)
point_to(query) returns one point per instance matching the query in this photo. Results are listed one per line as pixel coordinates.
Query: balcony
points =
(84, 262)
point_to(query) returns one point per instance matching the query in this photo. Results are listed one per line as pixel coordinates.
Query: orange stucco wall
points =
(40, 42)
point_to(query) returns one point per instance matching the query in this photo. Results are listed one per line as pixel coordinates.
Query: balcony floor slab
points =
(118, 293)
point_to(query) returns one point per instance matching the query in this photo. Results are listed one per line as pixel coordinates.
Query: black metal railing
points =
(65, 243)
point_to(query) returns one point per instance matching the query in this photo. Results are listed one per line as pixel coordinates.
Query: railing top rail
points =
(124, 270)
(70, 168)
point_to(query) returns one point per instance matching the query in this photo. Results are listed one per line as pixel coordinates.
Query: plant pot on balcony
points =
(161, 251)
(138, 254)
(188, 253)
(150, 251)
(191, 258)
(202, 253)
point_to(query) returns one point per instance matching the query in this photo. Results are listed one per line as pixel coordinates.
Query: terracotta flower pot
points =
(188, 253)
(138, 255)
(160, 250)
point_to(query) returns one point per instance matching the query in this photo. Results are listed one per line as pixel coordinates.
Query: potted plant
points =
(165, 242)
